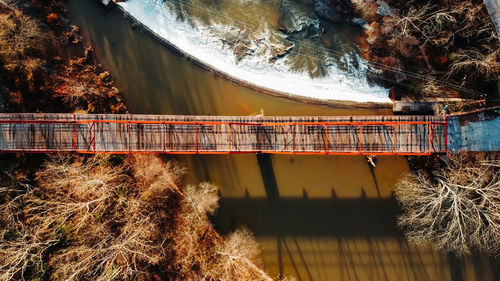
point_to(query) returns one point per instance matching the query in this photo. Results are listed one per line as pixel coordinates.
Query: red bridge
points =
(177, 134)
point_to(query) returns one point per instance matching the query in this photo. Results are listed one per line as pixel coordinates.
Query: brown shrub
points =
(83, 86)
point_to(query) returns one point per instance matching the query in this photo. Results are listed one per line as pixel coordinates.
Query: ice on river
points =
(202, 45)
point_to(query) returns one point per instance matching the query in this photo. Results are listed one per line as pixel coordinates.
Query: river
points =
(315, 217)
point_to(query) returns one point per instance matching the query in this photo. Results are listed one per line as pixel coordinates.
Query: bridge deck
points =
(105, 133)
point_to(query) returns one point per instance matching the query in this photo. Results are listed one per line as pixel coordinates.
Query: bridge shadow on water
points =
(304, 216)
(310, 217)
(339, 239)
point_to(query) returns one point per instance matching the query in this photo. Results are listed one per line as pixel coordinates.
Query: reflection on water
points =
(316, 217)
(379, 259)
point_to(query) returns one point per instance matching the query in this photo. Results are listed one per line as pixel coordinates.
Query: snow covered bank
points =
(200, 43)
(478, 131)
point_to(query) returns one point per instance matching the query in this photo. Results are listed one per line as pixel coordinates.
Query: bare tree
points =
(471, 63)
(75, 91)
(20, 248)
(93, 208)
(455, 39)
(455, 209)
(19, 35)
(195, 236)
(94, 219)
(238, 258)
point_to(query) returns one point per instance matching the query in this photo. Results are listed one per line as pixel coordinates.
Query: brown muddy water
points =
(316, 217)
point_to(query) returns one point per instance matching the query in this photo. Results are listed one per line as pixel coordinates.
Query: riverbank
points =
(270, 78)
(445, 49)
(46, 67)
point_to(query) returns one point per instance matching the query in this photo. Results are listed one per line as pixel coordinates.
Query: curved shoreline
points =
(304, 99)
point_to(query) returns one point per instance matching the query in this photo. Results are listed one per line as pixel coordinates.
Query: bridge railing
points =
(183, 137)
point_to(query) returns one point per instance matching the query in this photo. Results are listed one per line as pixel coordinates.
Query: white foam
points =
(199, 43)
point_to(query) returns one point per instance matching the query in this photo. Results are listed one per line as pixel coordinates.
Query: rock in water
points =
(325, 12)
(107, 3)
(334, 10)
(384, 9)
(361, 23)
(241, 50)
(279, 51)
(294, 18)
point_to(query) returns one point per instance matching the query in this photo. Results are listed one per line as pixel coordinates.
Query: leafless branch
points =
(455, 209)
